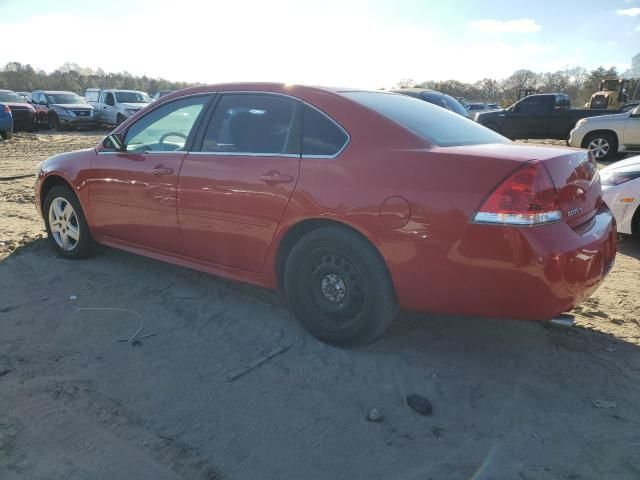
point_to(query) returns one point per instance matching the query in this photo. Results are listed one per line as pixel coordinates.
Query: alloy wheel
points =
(64, 224)
(599, 147)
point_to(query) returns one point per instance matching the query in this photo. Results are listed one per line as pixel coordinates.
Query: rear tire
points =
(339, 288)
(6, 134)
(119, 120)
(66, 224)
(603, 145)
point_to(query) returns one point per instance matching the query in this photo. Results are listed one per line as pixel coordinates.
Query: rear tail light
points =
(6, 109)
(527, 197)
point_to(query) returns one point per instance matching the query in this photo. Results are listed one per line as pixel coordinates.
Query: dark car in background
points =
(160, 94)
(437, 98)
(60, 110)
(6, 122)
(24, 115)
(547, 115)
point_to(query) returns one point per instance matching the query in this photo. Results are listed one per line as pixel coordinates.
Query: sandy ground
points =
(230, 386)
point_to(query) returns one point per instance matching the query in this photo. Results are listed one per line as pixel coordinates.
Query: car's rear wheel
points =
(602, 145)
(119, 120)
(339, 287)
(6, 134)
(66, 224)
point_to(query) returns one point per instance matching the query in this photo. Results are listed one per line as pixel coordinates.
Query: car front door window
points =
(166, 128)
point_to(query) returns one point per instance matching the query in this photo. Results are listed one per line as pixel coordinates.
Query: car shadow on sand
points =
(231, 374)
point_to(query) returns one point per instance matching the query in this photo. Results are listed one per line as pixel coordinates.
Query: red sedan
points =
(355, 203)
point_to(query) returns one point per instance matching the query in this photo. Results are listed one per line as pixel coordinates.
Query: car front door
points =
(527, 119)
(133, 192)
(39, 103)
(631, 134)
(109, 109)
(233, 192)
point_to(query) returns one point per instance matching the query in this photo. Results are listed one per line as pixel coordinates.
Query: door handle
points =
(276, 177)
(160, 170)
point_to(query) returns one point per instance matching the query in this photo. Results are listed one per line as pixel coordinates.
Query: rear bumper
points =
(24, 123)
(507, 272)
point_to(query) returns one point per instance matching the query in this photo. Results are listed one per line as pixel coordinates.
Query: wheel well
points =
(300, 229)
(635, 222)
(50, 182)
(596, 132)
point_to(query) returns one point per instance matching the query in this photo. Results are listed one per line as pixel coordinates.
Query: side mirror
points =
(115, 142)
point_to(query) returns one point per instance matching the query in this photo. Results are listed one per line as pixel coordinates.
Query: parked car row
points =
(64, 110)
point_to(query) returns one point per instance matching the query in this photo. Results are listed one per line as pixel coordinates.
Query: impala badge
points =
(574, 211)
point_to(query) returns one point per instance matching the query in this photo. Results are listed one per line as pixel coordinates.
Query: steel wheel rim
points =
(64, 224)
(600, 147)
(336, 289)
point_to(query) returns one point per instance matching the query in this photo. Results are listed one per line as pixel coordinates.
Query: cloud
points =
(520, 25)
(629, 12)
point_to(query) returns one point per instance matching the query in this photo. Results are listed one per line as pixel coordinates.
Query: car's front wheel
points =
(602, 145)
(6, 134)
(339, 288)
(66, 224)
(53, 122)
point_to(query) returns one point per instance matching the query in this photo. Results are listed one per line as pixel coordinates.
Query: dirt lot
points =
(230, 386)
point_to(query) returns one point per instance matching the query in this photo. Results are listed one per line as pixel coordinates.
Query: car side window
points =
(166, 128)
(320, 135)
(255, 124)
(528, 106)
(109, 101)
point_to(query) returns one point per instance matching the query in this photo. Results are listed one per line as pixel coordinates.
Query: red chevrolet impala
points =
(355, 203)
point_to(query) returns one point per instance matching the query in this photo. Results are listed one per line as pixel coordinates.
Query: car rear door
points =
(133, 192)
(233, 192)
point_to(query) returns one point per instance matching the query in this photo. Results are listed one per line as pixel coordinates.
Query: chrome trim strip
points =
(131, 152)
(240, 154)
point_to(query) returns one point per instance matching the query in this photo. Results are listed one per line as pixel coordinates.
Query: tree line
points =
(71, 77)
(577, 82)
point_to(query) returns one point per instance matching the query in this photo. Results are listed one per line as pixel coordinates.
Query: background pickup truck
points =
(114, 106)
(538, 116)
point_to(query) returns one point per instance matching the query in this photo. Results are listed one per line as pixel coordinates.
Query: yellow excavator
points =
(612, 94)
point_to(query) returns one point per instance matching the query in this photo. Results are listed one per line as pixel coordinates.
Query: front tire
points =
(6, 134)
(603, 145)
(54, 123)
(339, 287)
(119, 120)
(66, 224)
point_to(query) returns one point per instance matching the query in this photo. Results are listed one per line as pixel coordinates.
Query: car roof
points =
(55, 91)
(267, 87)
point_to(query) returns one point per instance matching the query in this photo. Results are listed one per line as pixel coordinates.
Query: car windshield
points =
(436, 125)
(64, 98)
(10, 97)
(132, 97)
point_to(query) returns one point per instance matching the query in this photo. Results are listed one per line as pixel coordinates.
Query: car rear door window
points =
(254, 124)
(167, 128)
(321, 136)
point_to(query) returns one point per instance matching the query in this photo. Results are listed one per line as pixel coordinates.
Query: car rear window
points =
(437, 125)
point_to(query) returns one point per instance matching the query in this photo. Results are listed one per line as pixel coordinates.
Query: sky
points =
(357, 43)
